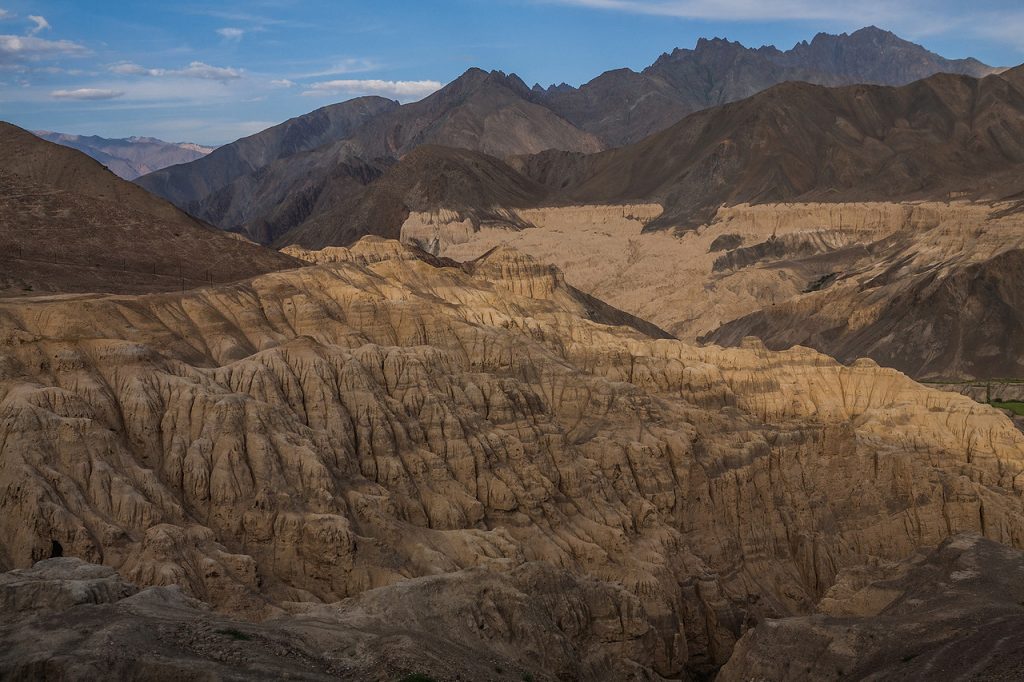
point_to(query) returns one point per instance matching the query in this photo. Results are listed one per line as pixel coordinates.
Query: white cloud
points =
(4, 14)
(41, 24)
(347, 65)
(193, 70)
(87, 93)
(230, 33)
(20, 48)
(127, 68)
(283, 83)
(405, 90)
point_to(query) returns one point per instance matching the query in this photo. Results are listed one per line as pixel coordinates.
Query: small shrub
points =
(234, 634)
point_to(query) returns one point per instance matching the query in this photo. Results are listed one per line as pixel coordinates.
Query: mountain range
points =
(624, 106)
(285, 187)
(130, 157)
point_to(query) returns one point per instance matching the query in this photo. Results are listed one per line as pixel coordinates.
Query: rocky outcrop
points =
(936, 297)
(70, 620)
(955, 612)
(317, 434)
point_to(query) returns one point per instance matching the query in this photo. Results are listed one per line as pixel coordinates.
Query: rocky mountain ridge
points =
(497, 114)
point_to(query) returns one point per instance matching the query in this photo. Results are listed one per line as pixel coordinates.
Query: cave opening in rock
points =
(56, 549)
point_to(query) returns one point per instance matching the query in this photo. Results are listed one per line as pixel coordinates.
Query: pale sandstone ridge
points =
(840, 277)
(309, 435)
(440, 230)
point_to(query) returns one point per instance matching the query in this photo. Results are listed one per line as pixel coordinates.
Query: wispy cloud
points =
(747, 10)
(193, 70)
(403, 90)
(4, 14)
(253, 22)
(87, 94)
(41, 24)
(21, 48)
(343, 66)
(283, 83)
(231, 33)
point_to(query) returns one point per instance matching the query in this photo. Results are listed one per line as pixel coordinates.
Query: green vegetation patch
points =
(1015, 406)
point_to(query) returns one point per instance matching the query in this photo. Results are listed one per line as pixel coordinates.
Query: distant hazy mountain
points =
(130, 157)
(624, 106)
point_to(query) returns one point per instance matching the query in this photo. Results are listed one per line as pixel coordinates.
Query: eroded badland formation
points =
(504, 410)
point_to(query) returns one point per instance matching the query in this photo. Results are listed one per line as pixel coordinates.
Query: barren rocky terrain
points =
(926, 287)
(324, 433)
(617, 382)
(953, 613)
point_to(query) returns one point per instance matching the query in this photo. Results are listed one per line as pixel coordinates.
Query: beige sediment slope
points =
(310, 435)
(659, 276)
(839, 277)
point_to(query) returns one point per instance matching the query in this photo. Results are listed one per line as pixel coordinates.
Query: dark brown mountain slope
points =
(480, 111)
(623, 106)
(185, 183)
(242, 186)
(954, 613)
(479, 187)
(805, 142)
(69, 224)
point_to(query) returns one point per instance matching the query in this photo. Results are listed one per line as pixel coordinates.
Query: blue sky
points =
(211, 72)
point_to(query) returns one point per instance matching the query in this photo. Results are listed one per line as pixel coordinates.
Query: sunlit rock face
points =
(309, 435)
